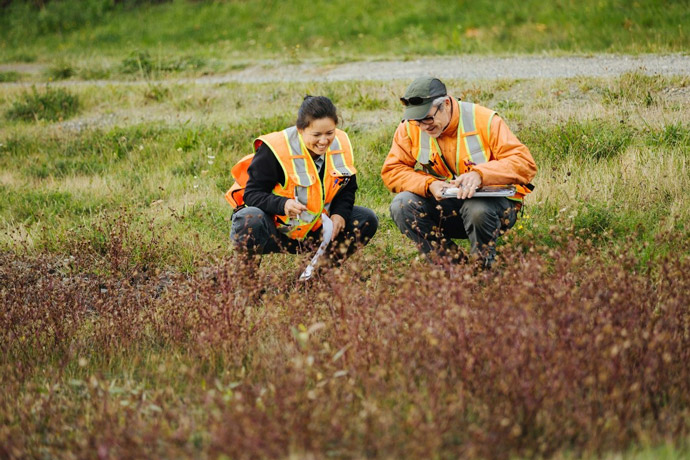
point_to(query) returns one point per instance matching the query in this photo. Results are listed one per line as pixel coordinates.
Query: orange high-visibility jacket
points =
(302, 181)
(476, 139)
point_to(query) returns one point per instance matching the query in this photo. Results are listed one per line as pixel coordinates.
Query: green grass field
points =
(128, 330)
(96, 39)
(612, 153)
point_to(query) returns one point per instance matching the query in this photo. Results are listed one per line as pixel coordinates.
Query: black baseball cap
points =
(420, 95)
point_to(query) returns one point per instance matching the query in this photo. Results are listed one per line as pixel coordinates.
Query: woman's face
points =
(319, 135)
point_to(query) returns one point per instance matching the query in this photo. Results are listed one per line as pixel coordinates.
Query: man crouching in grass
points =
(454, 144)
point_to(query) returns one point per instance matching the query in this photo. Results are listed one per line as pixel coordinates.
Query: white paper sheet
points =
(327, 233)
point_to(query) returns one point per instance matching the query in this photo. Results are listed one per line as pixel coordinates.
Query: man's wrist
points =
(481, 176)
(429, 181)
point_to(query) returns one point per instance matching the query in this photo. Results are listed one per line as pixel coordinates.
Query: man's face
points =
(437, 119)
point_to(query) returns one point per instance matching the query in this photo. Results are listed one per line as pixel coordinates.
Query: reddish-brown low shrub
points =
(578, 349)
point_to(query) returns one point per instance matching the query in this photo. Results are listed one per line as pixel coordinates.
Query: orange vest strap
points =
(235, 195)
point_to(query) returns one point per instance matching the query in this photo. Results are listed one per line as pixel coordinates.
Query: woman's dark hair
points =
(315, 108)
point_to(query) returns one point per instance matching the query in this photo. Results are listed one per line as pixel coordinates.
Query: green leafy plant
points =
(138, 62)
(61, 71)
(10, 76)
(50, 105)
(671, 135)
(156, 92)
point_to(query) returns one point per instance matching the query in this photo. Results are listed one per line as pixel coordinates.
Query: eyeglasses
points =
(426, 121)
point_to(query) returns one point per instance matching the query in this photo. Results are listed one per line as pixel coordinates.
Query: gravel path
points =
(465, 67)
(461, 67)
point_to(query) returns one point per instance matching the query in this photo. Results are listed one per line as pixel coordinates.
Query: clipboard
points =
(487, 191)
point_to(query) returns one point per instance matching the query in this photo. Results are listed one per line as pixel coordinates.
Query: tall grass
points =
(342, 29)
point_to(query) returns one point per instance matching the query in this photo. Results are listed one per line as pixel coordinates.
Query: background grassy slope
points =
(340, 29)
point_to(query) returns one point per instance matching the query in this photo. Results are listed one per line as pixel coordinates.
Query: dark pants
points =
(255, 232)
(431, 224)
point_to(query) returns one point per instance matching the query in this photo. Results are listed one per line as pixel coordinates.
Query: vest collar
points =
(319, 161)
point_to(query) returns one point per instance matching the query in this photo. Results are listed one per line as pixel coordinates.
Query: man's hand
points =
(338, 225)
(467, 183)
(294, 208)
(436, 189)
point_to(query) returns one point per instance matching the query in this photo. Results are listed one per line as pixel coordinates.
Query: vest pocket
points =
(303, 179)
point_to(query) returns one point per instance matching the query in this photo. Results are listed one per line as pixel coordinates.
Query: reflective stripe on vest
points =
(424, 147)
(299, 164)
(302, 195)
(337, 160)
(473, 142)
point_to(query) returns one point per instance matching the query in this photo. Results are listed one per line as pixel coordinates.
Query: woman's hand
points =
(294, 208)
(338, 224)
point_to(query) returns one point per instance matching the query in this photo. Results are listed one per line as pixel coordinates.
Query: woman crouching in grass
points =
(297, 178)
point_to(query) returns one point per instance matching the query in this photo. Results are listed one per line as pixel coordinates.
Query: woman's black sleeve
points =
(264, 173)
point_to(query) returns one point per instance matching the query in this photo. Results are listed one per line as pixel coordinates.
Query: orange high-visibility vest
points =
(302, 181)
(474, 129)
